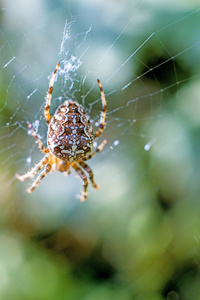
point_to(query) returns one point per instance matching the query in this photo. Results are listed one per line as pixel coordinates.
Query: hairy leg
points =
(38, 141)
(103, 112)
(90, 172)
(39, 178)
(34, 170)
(99, 148)
(84, 192)
(49, 96)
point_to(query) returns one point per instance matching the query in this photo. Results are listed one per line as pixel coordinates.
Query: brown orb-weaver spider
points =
(70, 139)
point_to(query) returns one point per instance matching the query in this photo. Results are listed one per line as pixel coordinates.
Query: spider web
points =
(146, 55)
(140, 65)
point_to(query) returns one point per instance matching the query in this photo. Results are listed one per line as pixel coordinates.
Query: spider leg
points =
(39, 178)
(89, 171)
(34, 170)
(99, 148)
(103, 112)
(38, 141)
(82, 175)
(49, 96)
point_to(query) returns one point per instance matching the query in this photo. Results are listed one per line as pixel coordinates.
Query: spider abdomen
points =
(70, 134)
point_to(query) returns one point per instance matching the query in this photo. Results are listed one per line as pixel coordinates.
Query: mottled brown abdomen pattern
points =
(70, 134)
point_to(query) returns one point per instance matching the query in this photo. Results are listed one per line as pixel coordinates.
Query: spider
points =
(70, 140)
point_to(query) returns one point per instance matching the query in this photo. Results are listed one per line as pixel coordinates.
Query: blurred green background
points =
(138, 237)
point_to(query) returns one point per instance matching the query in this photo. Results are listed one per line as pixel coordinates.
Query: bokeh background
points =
(138, 237)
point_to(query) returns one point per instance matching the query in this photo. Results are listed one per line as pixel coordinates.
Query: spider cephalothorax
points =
(70, 140)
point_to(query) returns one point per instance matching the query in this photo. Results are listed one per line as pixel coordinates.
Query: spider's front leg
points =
(90, 172)
(49, 96)
(39, 178)
(82, 175)
(34, 170)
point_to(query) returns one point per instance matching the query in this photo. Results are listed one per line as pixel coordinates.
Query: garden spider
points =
(70, 139)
